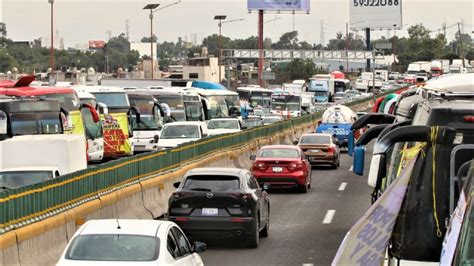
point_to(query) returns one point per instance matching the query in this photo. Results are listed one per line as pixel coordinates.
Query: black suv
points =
(221, 203)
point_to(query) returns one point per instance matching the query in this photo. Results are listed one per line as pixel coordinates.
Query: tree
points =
(7, 62)
(296, 69)
(353, 42)
(119, 43)
(287, 40)
(147, 39)
(419, 46)
(3, 29)
(212, 43)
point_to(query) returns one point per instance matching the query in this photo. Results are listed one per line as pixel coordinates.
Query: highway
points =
(305, 228)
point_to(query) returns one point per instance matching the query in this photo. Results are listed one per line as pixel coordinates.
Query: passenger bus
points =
(218, 103)
(31, 116)
(67, 98)
(174, 100)
(286, 105)
(193, 103)
(146, 132)
(116, 115)
(255, 97)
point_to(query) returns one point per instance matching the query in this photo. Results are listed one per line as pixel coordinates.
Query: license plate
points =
(210, 211)
(315, 150)
(277, 169)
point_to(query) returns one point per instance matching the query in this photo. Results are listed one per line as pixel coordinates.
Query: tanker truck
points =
(337, 120)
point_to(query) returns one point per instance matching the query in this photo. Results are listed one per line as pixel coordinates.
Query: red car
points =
(282, 166)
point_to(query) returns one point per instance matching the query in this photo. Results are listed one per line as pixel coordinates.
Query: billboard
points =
(278, 5)
(375, 14)
(96, 45)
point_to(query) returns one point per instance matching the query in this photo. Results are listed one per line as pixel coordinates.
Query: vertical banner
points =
(367, 240)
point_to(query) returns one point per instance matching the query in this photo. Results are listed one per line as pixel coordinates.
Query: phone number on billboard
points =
(376, 2)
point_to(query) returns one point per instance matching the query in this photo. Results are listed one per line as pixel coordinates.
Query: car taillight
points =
(295, 166)
(181, 194)
(469, 118)
(259, 166)
(331, 150)
(243, 196)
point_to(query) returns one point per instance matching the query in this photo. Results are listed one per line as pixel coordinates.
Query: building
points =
(204, 67)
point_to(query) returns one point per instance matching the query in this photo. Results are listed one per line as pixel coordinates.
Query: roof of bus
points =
(212, 92)
(34, 91)
(98, 89)
(253, 89)
(207, 85)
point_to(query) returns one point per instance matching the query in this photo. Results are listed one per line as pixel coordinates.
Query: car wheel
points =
(266, 229)
(254, 238)
(304, 188)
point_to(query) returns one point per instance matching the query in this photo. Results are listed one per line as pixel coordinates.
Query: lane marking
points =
(342, 186)
(329, 215)
(350, 169)
(308, 264)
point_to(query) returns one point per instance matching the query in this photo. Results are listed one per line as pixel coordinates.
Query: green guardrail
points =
(21, 206)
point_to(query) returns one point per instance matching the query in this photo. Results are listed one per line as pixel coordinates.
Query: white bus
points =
(218, 103)
(255, 97)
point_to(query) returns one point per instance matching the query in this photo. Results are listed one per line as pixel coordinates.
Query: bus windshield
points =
(35, 123)
(150, 117)
(68, 101)
(286, 103)
(194, 111)
(113, 99)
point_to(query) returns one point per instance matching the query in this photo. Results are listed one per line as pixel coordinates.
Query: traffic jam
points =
(326, 166)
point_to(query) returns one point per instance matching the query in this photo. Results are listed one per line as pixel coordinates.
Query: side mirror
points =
(137, 113)
(95, 115)
(266, 187)
(103, 108)
(176, 184)
(199, 247)
(295, 142)
(359, 159)
(252, 157)
(3, 123)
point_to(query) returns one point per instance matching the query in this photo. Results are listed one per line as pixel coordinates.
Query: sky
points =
(79, 21)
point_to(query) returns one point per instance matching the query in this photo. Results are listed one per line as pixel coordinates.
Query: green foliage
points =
(296, 69)
(3, 29)
(353, 42)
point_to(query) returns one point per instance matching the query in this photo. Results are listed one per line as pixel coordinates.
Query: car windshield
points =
(315, 139)
(278, 153)
(113, 99)
(108, 247)
(68, 101)
(212, 183)
(223, 124)
(17, 179)
(180, 132)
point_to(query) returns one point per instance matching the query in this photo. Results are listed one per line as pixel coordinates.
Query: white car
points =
(131, 242)
(219, 126)
(176, 133)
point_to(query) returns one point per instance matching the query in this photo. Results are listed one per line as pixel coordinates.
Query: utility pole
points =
(219, 18)
(367, 42)
(394, 44)
(127, 29)
(51, 52)
(260, 48)
(321, 34)
(461, 50)
(347, 46)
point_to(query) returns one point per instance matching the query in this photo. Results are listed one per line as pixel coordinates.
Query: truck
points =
(436, 68)
(30, 159)
(365, 82)
(416, 68)
(322, 86)
(337, 120)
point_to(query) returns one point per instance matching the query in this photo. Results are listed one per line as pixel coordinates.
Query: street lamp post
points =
(51, 51)
(220, 18)
(394, 44)
(151, 7)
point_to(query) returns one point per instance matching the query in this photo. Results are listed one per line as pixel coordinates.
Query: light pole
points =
(220, 18)
(151, 7)
(394, 44)
(51, 51)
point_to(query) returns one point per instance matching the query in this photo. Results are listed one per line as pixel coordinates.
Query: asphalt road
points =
(305, 228)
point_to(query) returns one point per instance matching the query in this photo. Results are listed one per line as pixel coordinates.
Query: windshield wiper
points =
(201, 189)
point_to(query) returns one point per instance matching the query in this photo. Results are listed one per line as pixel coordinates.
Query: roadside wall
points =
(43, 242)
